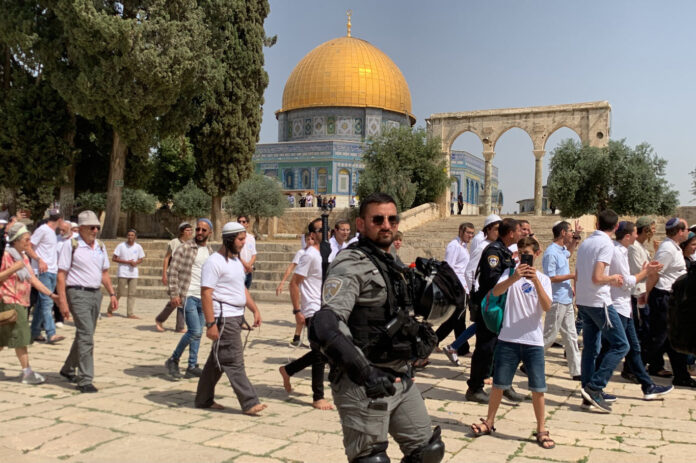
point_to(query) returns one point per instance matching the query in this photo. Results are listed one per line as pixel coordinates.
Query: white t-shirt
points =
(298, 256)
(598, 247)
(226, 277)
(522, 318)
(310, 289)
(194, 289)
(671, 256)
(125, 252)
(249, 249)
(45, 243)
(336, 248)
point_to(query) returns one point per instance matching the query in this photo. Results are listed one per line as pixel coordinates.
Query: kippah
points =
(673, 222)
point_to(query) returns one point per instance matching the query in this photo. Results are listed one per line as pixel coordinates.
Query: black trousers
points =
(318, 362)
(456, 322)
(482, 360)
(659, 342)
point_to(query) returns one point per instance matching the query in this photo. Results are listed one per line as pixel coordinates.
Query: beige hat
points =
(17, 230)
(88, 218)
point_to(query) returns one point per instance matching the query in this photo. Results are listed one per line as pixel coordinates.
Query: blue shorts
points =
(507, 357)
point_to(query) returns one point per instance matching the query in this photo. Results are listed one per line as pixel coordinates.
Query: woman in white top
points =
(521, 338)
(309, 241)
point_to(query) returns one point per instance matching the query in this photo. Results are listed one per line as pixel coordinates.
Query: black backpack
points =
(681, 313)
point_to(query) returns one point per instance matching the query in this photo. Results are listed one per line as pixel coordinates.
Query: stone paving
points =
(139, 415)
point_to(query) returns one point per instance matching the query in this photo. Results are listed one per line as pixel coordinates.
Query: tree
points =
(225, 140)
(631, 181)
(173, 167)
(138, 65)
(34, 125)
(135, 201)
(259, 196)
(406, 164)
(191, 201)
(95, 202)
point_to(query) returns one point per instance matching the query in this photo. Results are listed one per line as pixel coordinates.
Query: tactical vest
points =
(388, 333)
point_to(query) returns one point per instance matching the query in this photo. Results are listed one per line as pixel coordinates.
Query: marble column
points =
(488, 181)
(538, 180)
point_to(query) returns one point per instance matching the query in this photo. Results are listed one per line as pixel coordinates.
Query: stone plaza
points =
(140, 415)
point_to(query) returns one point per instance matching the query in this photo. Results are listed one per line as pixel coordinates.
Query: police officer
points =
(370, 378)
(495, 259)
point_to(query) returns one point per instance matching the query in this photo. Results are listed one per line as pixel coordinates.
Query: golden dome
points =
(347, 72)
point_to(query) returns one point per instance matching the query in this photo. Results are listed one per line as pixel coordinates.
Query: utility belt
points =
(336, 374)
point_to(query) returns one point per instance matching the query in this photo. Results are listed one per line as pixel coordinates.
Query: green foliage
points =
(90, 201)
(225, 140)
(34, 125)
(173, 167)
(258, 196)
(138, 201)
(406, 164)
(631, 181)
(191, 201)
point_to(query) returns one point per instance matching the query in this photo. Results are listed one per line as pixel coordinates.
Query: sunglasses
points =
(95, 227)
(199, 229)
(379, 219)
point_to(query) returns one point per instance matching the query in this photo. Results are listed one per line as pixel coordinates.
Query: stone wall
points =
(418, 216)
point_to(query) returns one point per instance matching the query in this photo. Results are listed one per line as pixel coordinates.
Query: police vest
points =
(387, 333)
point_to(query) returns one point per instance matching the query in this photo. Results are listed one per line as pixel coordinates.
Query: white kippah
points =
(232, 228)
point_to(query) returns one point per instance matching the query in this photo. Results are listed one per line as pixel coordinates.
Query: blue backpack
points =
(493, 309)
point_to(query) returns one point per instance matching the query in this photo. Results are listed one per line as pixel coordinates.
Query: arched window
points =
(306, 179)
(322, 180)
(343, 181)
(289, 179)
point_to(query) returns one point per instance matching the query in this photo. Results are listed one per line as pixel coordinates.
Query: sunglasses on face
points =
(94, 227)
(379, 219)
(199, 229)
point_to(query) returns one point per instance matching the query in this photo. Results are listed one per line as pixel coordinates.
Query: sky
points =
(468, 55)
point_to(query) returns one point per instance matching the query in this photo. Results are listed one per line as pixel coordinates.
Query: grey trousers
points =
(226, 355)
(84, 307)
(561, 317)
(366, 422)
(167, 311)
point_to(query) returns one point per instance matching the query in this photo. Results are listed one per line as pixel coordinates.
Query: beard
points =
(384, 240)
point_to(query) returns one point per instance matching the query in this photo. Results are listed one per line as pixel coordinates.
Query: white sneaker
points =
(33, 378)
(451, 354)
(59, 325)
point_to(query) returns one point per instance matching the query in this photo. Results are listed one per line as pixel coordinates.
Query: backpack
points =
(681, 313)
(493, 309)
(73, 244)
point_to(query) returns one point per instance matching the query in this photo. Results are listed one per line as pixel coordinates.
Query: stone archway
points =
(589, 120)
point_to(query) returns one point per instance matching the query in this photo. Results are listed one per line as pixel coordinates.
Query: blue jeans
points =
(596, 327)
(193, 310)
(43, 309)
(507, 357)
(247, 280)
(464, 336)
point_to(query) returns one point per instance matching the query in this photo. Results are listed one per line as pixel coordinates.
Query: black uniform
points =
(495, 259)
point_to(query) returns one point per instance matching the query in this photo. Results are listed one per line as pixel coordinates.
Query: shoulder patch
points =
(493, 261)
(332, 286)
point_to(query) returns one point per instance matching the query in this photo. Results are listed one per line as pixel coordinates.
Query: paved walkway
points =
(139, 415)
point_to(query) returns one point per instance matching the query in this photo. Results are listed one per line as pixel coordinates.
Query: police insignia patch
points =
(331, 287)
(493, 261)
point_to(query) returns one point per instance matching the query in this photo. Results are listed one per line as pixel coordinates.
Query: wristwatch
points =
(296, 311)
(209, 324)
(112, 295)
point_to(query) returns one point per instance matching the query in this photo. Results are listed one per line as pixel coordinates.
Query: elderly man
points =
(82, 268)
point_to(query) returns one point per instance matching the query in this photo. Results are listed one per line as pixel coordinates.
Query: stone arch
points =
(589, 120)
(556, 129)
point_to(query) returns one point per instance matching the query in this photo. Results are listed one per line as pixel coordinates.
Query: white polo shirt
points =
(598, 247)
(457, 256)
(671, 256)
(85, 265)
(621, 296)
(336, 248)
(310, 289)
(125, 252)
(45, 243)
(226, 277)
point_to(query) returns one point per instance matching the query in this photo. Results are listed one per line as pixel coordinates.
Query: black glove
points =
(379, 384)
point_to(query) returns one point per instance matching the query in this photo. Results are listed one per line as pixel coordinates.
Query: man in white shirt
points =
(659, 287)
(626, 235)
(305, 293)
(82, 268)
(185, 289)
(248, 255)
(600, 320)
(490, 234)
(339, 241)
(224, 297)
(44, 254)
(457, 256)
(128, 255)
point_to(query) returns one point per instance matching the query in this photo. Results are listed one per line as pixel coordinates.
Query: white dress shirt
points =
(335, 247)
(621, 295)
(470, 273)
(670, 255)
(457, 256)
(638, 255)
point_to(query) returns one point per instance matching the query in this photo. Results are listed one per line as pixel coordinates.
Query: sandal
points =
(421, 363)
(479, 431)
(544, 440)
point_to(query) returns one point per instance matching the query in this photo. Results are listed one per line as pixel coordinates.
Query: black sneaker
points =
(686, 382)
(172, 367)
(577, 378)
(476, 396)
(595, 398)
(87, 388)
(193, 372)
(69, 376)
(609, 397)
(630, 377)
(655, 392)
(513, 395)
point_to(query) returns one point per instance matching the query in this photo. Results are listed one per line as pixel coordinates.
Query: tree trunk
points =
(216, 217)
(114, 190)
(256, 229)
(67, 190)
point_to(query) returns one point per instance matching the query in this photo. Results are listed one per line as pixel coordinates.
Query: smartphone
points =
(527, 259)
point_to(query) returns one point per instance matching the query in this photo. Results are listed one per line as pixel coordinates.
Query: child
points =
(521, 339)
